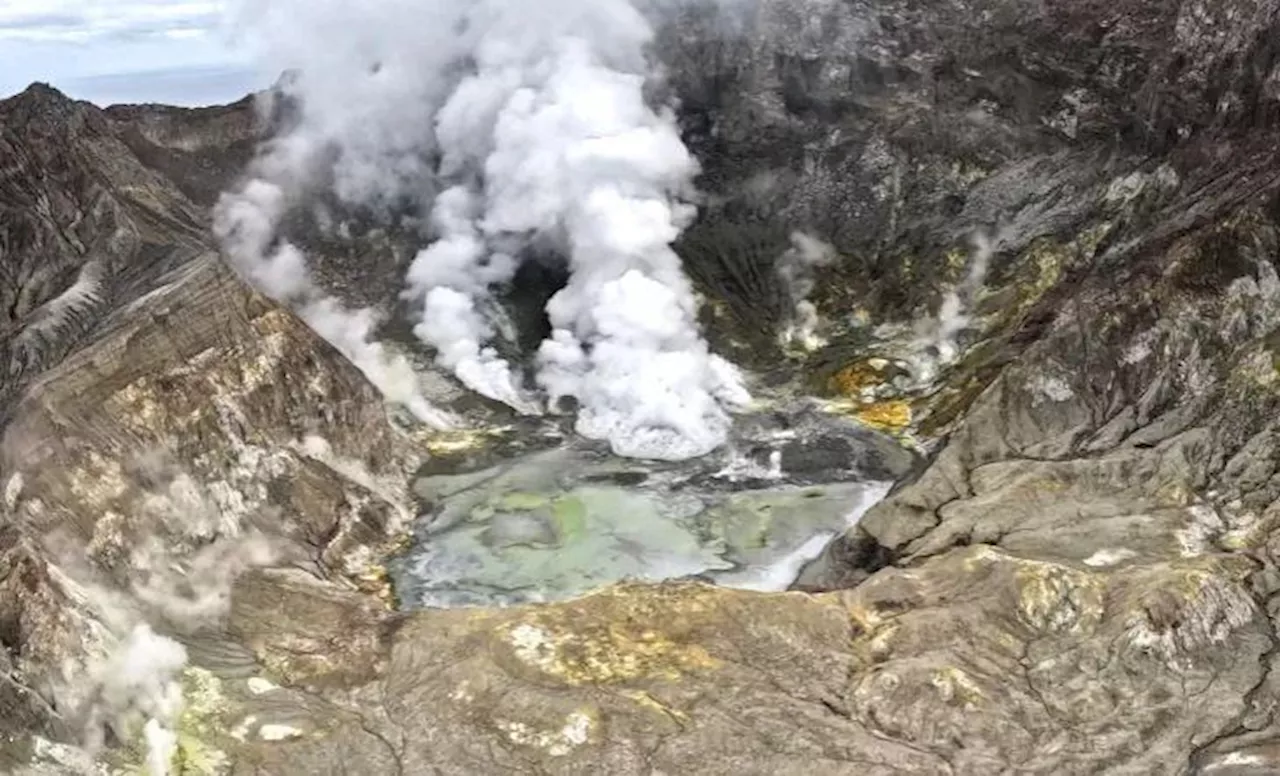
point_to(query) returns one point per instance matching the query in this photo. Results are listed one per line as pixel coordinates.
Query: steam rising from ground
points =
(796, 269)
(246, 223)
(521, 127)
(937, 344)
(137, 688)
(132, 682)
(184, 554)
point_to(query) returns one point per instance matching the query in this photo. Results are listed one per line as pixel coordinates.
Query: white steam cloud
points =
(797, 268)
(184, 556)
(139, 685)
(937, 342)
(246, 223)
(518, 126)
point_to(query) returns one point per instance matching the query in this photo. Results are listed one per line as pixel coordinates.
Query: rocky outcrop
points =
(167, 429)
(1131, 437)
(94, 207)
(895, 131)
(978, 662)
(204, 432)
(1111, 414)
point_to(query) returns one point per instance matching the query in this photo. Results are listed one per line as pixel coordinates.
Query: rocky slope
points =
(166, 426)
(96, 206)
(1081, 578)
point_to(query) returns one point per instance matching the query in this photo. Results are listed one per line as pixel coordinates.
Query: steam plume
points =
(531, 124)
(796, 269)
(246, 223)
(937, 342)
(185, 555)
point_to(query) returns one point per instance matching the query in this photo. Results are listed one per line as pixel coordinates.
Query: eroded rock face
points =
(167, 429)
(1043, 667)
(201, 395)
(206, 431)
(889, 128)
(1133, 437)
(92, 212)
(1113, 415)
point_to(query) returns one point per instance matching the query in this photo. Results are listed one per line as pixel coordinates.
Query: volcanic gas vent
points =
(518, 130)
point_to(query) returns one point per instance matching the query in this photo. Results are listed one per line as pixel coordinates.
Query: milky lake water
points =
(558, 523)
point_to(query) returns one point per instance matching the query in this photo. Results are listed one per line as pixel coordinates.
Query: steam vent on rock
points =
(654, 387)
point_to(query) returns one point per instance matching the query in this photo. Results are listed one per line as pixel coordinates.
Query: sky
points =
(179, 52)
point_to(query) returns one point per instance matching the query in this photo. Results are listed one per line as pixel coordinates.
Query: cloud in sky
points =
(78, 22)
(109, 51)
